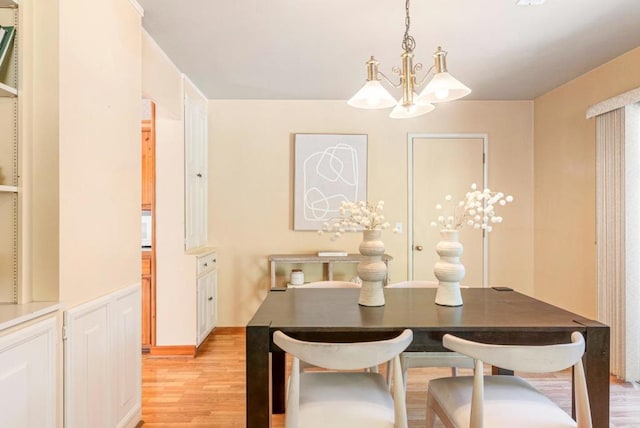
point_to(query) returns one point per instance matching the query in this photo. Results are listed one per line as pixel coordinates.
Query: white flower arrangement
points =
(354, 217)
(476, 210)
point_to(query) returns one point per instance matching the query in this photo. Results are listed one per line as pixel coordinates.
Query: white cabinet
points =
(196, 174)
(28, 376)
(102, 361)
(207, 299)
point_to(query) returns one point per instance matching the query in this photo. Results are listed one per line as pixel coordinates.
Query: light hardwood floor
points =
(208, 391)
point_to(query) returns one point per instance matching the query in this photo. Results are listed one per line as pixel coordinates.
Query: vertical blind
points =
(618, 234)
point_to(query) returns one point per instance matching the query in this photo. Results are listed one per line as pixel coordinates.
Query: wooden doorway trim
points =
(148, 127)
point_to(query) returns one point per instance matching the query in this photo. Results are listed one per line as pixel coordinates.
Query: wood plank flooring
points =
(208, 391)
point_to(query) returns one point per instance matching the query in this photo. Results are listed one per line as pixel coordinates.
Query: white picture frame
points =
(328, 169)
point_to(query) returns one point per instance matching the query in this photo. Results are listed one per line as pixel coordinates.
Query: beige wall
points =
(565, 252)
(250, 188)
(99, 148)
(175, 277)
(161, 80)
(80, 152)
(175, 271)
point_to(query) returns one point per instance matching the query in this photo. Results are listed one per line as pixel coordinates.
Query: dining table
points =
(497, 315)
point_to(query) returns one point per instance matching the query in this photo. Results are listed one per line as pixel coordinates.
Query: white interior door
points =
(441, 165)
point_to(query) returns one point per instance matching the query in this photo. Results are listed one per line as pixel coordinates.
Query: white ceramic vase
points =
(372, 270)
(448, 269)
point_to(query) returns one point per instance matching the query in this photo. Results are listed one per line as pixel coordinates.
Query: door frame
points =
(485, 177)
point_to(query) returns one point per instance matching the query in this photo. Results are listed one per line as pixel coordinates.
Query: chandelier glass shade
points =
(414, 110)
(372, 96)
(441, 88)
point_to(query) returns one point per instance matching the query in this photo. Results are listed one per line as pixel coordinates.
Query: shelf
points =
(8, 189)
(7, 91)
(12, 314)
(8, 3)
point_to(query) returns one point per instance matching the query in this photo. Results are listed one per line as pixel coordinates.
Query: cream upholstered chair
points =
(327, 284)
(508, 401)
(430, 359)
(344, 399)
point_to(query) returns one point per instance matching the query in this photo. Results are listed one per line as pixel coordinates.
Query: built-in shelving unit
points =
(9, 185)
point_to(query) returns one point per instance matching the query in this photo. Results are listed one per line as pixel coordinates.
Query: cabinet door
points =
(27, 376)
(207, 301)
(146, 311)
(195, 122)
(202, 308)
(212, 300)
(147, 300)
(148, 166)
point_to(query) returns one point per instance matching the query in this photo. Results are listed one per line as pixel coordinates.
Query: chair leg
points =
(389, 374)
(454, 371)
(405, 372)
(430, 418)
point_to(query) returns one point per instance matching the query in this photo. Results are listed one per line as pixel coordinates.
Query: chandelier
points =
(441, 88)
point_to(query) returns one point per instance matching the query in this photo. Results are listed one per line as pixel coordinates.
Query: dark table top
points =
(338, 309)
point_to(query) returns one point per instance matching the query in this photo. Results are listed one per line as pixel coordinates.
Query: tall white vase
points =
(448, 269)
(372, 270)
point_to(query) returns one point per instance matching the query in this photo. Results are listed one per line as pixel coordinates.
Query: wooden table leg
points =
(500, 371)
(258, 376)
(278, 381)
(596, 367)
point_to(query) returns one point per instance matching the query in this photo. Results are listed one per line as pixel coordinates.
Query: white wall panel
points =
(27, 376)
(128, 371)
(87, 365)
(102, 361)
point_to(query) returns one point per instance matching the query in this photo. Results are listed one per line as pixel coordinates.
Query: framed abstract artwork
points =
(329, 169)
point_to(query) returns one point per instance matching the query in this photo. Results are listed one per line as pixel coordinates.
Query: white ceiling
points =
(316, 49)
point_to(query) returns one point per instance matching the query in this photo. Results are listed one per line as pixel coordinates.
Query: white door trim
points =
(485, 177)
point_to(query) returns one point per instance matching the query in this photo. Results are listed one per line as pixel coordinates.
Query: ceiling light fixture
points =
(441, 88)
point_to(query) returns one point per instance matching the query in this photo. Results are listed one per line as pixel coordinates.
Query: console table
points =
(327, 262)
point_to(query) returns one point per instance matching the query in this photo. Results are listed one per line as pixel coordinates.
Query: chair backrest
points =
(327, 284)
(414, 284)
(533, 359)
(344, 356)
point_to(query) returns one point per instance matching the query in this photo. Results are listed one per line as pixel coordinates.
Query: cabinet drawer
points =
(146, 263)
(206, 263)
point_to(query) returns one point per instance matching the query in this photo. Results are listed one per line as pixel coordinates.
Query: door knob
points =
(419, 248)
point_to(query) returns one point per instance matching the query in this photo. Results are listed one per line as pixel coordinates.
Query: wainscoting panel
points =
(128, 374)
(28, 376)
(102, 383)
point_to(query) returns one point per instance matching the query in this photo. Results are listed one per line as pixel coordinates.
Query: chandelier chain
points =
(408, 42)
